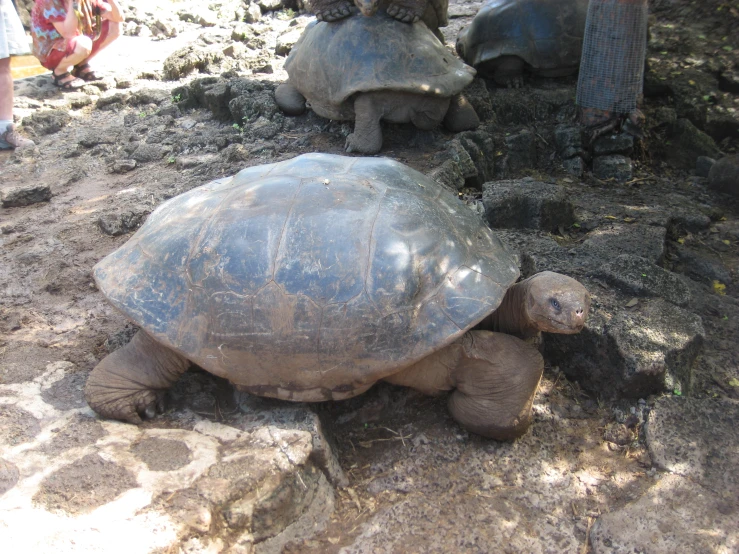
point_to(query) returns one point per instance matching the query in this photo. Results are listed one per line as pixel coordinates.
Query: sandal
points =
(85, 72)
(66, 86)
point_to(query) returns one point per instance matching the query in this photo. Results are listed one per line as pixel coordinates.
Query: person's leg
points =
(78, 49)
(111, 30)
(9, 137)
(6, 92)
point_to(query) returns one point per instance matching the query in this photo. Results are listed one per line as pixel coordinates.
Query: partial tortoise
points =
(508, 36)
(369, 69)
(313, 278)
(434, 13)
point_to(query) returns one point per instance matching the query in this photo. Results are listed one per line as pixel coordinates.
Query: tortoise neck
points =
(511, 316)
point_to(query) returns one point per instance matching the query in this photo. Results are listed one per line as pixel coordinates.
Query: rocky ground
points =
(634, 447)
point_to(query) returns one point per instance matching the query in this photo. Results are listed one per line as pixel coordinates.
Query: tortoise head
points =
(367, 7)
(556, 303)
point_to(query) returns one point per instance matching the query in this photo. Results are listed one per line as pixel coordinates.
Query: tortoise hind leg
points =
(131, 381)
(496, 379)
(460, 116)
(289, 99)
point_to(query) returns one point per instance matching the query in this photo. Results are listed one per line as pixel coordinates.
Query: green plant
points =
(171, 160)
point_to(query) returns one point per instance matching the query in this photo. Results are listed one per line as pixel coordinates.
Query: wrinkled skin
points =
(492, 373)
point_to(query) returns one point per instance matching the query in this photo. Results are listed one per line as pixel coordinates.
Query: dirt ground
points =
(399, 449)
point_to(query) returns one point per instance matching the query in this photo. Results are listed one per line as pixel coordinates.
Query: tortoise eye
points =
(555, 304)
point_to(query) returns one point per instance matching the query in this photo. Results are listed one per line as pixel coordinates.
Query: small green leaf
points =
(643, 274)
(576, 225)
(734, 382)
(677, 392)
(171, 160)
(706, 97)
(725, 318)
(727, 48)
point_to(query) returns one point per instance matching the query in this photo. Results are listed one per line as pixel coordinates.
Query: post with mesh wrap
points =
(612, 64)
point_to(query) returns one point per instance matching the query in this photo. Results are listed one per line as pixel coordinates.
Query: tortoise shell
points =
(546, 34)
(311, 278)
(331, 62)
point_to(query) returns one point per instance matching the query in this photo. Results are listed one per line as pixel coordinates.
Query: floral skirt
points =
(13, 41)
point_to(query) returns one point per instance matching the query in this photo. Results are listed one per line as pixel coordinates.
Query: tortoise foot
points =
(336, 12)
(129, 384)
(404, 14)
(515, 82)
(363, 144)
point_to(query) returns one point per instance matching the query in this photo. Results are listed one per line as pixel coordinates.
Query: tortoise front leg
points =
(332, 10)
(496, 380)
(407, 11)
(367, 135)
(131, 381)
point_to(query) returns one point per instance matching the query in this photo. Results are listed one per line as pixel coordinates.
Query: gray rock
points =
(532, 105)
(622, 143)
(216, 98)
(526, 203)
(8, 476)
(631, 354)
(701, 266)
(693, 509)
(271, 5)
(123, 166)
(95, 137)
(448, 174)
(46, 122)
(286, 41)
(148, 96)
(188, 162)
(478, 95)
(686, 143)
(148, 153)
(675, 515)
(521, 150)
(253, 13)
(640, 277)
(78, 100)
(724, 175)
(14, 197)
(574, 166)
(481, 150)
(568, 140)
(703, 165)
(251, 106)
(697, 438)
(235, 50)
(646, 241)
(616, 167)
(121, 223)
(112, 101)
(195, 57)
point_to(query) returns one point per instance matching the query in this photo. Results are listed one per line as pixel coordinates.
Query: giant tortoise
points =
(507, 36)
(312, 279)
(375, 68)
